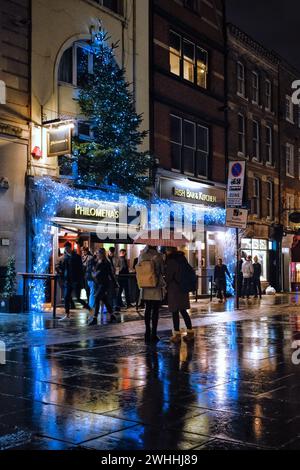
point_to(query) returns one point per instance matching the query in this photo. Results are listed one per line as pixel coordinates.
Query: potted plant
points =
(9, 290)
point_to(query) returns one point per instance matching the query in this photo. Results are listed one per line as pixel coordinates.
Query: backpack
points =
(187, 278)
(145, 274)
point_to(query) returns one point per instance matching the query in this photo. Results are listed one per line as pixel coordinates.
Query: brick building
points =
(14, 129)
(289, 125)
(187, 118)
(253, 136)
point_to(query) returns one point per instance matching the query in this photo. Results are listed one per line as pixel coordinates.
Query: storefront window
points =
(257, 247)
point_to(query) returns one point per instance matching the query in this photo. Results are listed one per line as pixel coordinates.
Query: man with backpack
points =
(181, 279)
(149, 271)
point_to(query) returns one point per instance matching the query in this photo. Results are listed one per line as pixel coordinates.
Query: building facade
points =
(289, 137)
(187, 118)
(253, 137)
(14, 128)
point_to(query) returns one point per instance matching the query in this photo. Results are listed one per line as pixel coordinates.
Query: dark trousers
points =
(101, 296)
(123, 283)
(151, 314)
(69, 290)
(221, 288)
(257, 286)
(247, 284)
(186, 318)
(240, 285)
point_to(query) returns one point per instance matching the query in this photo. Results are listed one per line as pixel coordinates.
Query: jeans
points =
(101, 296)
(186, 318)
(257, 286)
(221, 288)
(91, 298)
(123, 283)
(247, 284)
(151, 313)
(69, 289)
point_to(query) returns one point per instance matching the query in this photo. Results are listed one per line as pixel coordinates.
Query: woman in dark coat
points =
(178, 300)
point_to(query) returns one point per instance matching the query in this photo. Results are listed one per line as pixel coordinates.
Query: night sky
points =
(273, 23)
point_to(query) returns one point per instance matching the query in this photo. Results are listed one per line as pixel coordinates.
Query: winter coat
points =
(70, 269)
(247, 270)
(177, 299)
(256, 270)
(114, 262)
(220, 272)
(158, 292)
(103, 274)
(88, 262)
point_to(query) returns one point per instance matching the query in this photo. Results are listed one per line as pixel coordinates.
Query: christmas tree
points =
(11, 275)
(113, 157)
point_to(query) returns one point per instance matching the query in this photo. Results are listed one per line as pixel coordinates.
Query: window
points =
(175, 53)
(289, 158)
(270, 199)
(268, 95)
(201, 66)
(114, 5)
(259, 248)
(192, 5)
(241, 134)
(75, 64)
(187, 60)
(202, 151)
(176, 142)
(189, 147)
(269, 145)
(256, 197)
(256, 140)
(240, 79)
(289, 109)
(255, 87)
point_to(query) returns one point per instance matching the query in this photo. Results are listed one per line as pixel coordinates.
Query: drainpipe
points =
(134, 48)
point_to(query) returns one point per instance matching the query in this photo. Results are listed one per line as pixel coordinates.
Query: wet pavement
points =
(67, 386)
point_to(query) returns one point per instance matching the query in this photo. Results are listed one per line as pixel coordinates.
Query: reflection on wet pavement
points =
(235, 387)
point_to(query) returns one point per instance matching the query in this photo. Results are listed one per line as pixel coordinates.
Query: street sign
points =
(235, 187)
(236, 218)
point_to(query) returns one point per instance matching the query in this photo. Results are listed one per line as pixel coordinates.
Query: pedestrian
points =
(113, 286)
(123, 280)
(138, 301)
(87, 263)
(178, 267)
(240, 275)
(220, 279)
(256, 278)
(102, 275)
(247, 270)
(70, 270)
(150, 270)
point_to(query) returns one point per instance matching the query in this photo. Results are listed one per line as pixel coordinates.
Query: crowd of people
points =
(104, 276)
(249, 275)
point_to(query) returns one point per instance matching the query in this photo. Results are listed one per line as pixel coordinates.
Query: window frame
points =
(270, 199)
(255, 99)
(289, 109)
(256, 196)
(241, 79)
(243, 134)
(74, 66)
(269, 145)
(183, 60)
(198, 150)
(256, 141)
(268, 97)
(172, 142)
(291, 160)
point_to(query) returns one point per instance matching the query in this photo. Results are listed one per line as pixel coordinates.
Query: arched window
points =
(75, 64)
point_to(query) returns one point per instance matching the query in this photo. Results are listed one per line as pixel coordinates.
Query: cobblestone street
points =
(66, 386)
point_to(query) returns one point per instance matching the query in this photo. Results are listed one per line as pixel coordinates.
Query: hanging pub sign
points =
(236, 181)
(59, 141)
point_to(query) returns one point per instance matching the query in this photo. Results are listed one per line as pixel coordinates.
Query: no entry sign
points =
(235, 188)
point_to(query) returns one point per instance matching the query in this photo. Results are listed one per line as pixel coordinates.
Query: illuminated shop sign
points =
(192, 193)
